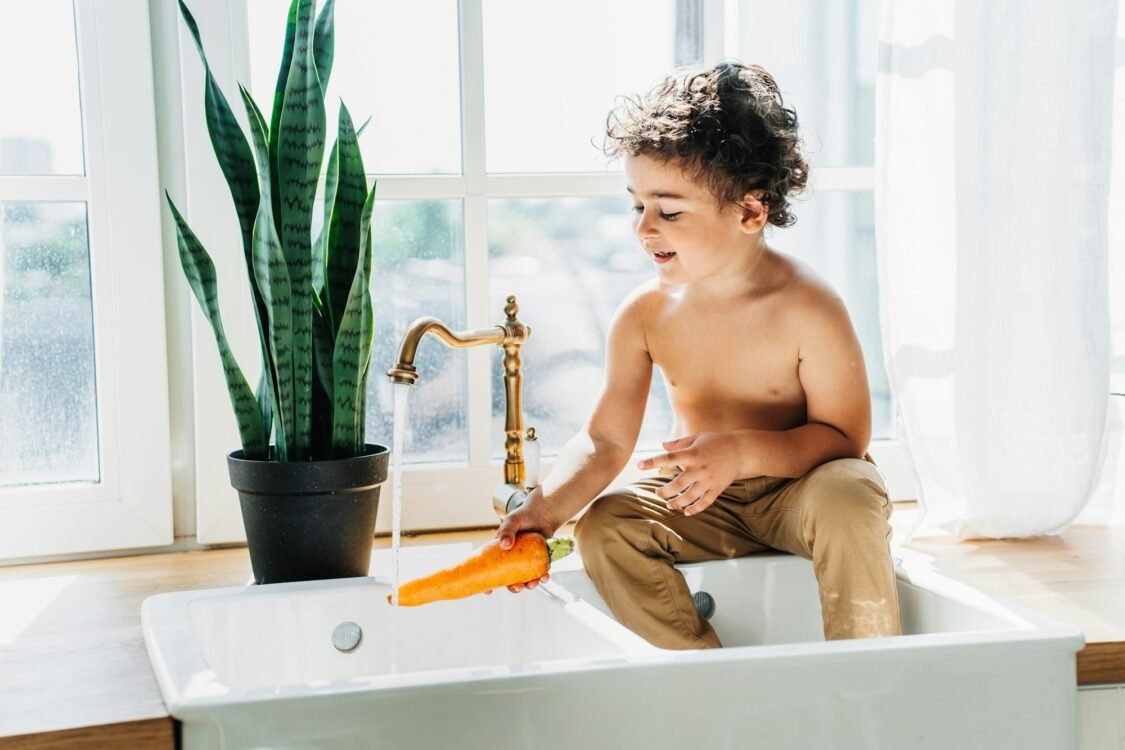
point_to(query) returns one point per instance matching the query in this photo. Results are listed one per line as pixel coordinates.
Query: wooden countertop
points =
(74, 671)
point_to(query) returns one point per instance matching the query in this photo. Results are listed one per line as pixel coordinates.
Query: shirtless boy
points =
(764, 372)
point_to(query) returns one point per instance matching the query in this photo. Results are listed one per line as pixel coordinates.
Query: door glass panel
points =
(48, 403)
(419, 270)
(387, 53)
(823, 56)
(41, 118)
(570, 262)
(542, 118)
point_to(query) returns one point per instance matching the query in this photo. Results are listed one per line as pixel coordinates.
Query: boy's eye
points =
(666, 217)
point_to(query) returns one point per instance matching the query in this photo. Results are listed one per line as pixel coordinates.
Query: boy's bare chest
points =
(731, 369)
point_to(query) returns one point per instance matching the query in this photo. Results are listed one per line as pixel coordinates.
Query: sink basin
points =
(256, 667)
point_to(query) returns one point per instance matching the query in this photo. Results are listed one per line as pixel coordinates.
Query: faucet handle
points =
(512, 310)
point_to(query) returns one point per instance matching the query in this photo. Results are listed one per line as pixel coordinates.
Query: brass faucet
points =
(511, 334)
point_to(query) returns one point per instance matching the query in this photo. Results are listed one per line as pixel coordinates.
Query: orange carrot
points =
(488, 568)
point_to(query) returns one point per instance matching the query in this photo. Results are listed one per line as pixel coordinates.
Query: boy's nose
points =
(645, 227)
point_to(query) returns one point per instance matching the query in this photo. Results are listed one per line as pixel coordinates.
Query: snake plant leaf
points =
(200, 273)
(264, 396)
(353, 350)
(323, 345)
(324, 45)
(366, 241)
(324, 54)
(343, 234)
(278, 99)
(300, 142)
(272, 274)
(231, 150)
(320, 247)
(322, 386)
(237, 165)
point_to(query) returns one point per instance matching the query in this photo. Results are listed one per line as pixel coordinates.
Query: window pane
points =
(542, 117)
(835, 233)
(823, 56)
(48, 406)
(569, 262)
(386, 54)
(419, 269)
(41, 120)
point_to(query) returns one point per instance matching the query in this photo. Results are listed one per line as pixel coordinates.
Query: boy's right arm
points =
(595, 456)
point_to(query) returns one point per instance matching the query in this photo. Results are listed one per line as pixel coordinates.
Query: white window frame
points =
(439, 495)
(131, 505)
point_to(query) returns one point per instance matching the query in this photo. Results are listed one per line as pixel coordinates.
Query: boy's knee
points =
(603, 516)
(847, 490)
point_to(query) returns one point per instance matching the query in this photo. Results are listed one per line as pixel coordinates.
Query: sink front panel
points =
(283, 635)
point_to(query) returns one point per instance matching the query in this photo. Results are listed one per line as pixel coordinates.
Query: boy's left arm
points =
(832, 373)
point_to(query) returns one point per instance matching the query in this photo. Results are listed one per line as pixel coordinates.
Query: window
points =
(489, 175)
(84, 439)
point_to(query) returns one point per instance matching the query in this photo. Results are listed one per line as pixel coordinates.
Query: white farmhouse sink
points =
(256, 667)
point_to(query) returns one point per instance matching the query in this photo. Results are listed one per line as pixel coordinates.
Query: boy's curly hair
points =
(729, 126)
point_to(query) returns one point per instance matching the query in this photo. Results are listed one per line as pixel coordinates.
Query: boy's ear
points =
(754, 212)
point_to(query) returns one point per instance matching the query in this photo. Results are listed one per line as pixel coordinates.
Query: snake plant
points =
(311, 298)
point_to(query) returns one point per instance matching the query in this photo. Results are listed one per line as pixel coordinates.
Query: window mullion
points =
(470, 29)
(66, 188)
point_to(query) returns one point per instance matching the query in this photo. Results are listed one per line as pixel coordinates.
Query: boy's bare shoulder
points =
(802, 284)
(810, 303)
(640, 303)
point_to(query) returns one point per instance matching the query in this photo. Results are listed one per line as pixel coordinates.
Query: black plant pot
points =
(308, 520)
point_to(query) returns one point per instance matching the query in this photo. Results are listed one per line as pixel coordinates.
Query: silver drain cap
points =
(347, 636)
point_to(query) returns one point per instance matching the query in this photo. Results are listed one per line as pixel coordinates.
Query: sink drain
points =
(704, 604)
(347, 636)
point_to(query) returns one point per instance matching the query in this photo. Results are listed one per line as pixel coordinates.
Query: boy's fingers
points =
(653, 462)
(673, 488)
(701, 503)
(671, 444)
(515, 588)
(506, 533)
(686, 500)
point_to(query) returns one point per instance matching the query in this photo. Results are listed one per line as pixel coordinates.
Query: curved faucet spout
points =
(511, 335)
(404, 370)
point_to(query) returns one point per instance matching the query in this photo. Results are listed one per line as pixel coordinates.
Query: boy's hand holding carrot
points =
(528, 559)
(526, 518)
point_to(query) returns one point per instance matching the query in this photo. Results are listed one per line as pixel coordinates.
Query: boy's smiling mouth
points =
(660, 257)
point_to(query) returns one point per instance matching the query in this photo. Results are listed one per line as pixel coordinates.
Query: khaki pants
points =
(835, 515)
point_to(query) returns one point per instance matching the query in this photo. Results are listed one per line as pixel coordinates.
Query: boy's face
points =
(683, 227)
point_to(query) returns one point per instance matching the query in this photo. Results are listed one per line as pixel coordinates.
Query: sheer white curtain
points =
(994, 154)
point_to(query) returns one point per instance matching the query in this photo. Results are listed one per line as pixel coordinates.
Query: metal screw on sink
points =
(347, 636)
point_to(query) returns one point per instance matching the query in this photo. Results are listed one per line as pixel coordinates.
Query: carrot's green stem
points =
(557, 548)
